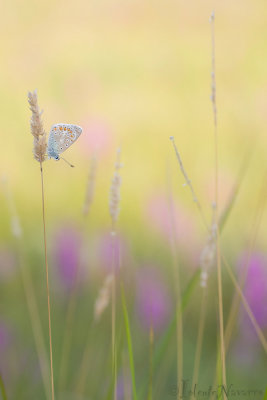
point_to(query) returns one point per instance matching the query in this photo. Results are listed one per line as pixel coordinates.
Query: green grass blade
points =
(164, 343)
(129, 341)
(190, 288)
(110, 391)
(120, 340)
(171, 329)
(219, 365)
(2, 387)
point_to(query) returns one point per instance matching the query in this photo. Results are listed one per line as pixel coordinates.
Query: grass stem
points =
(176, 273)
(129, 340)
(216, 197)
(201, 326)
(47, 290)
(246, 306)
(2, 387)
(151, 352)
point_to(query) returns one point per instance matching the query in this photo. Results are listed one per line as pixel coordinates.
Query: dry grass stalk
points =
(251, 245)
(114, 210)
(114, 198)
(90, 187)
(207, 257)
(218, 258)
(246, 306)
(207, 260)
(39, 151)
(213, 242)
(103, 297)
(151, 354)
(188, 182)
(37, 130)
(176, 274)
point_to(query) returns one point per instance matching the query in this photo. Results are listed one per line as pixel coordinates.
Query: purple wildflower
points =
(67, 247)
(255, 289)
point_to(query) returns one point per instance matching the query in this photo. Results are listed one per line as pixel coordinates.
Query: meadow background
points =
(132, 74)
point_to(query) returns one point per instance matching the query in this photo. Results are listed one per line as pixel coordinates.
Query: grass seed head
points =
(37, 130)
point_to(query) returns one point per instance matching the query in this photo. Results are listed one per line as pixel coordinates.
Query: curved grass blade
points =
(110, 390)
(2, 387)
(162, 347)
(170, 331)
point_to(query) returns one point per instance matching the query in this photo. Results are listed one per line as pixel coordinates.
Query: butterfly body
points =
(60, 138)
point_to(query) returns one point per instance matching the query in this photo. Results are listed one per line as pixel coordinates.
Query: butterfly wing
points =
(61, 137)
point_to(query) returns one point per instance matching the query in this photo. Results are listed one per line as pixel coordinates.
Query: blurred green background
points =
(132, 74)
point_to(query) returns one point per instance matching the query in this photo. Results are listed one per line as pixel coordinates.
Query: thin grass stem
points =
(151, 352)
(201, 326)
(246, 306)
(188, 183)
(176, 272)
(113, 320)
(254, 231)
(216, 198)
(129, 341)
(114, 202)
(47, 289)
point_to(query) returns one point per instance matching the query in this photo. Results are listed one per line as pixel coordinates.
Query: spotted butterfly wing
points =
(61, 137)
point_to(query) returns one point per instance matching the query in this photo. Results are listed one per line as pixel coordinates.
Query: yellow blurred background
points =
(133, 73)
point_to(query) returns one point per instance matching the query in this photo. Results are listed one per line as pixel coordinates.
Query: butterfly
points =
(61, 137)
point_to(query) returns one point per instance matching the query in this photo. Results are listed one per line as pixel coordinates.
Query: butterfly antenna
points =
(67, 162)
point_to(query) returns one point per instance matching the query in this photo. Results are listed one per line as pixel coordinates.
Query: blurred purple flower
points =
(255, 289)
(67, 247)
(153, 303)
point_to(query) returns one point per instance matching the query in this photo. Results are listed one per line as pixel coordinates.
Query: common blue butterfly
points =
(61, 137)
